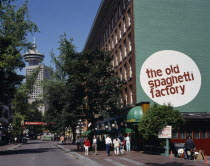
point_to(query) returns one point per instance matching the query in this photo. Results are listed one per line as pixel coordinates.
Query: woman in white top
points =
(116, 143)
(128, 143)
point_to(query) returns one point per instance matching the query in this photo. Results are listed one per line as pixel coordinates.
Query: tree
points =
(22, 109)
(157, 117)
(102, 87)
(85, 84)
(14, 29)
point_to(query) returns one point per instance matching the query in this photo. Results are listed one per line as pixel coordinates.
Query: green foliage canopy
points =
(157, 117)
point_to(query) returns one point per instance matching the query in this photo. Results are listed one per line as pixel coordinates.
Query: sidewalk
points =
(131, 158)
(9, 147)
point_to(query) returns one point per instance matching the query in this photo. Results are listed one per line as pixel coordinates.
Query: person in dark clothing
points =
(189, 148)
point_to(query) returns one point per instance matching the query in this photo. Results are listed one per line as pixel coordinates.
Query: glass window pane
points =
(182, 135)
(175, 134)
(203, 134)
(197, 134)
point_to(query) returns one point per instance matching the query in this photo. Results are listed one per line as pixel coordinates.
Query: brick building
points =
(135, 29)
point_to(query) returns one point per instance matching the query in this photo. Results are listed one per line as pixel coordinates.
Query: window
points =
(119, 10)
(126, 96)
(130, 68)
(120, 54)
(115, 16)
(129, 17)
(125, 49)
(112, 62)
(120, 73)
(129, 43)
(189, 133)
(182, 135)
(117, 58)
(124, 25)
(208, 133)
(175, 134)
(131, 94)
(112, 22)
(197, 134)
(109, 28)
(120, 31)
(116, 37)
(203, 134)
(125, 72)
(112, 42)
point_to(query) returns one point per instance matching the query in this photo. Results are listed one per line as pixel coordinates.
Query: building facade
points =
(35, 58)
(133, 30)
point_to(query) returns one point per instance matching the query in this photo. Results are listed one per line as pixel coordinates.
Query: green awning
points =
(125, 130)
(129, 130)
(86, 132)
(134, 114)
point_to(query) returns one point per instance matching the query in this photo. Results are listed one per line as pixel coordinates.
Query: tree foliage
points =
(14, 29)
(85, 84)
(23, 110)
(157, 117)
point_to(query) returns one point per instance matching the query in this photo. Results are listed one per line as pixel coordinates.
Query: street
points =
(37, 153)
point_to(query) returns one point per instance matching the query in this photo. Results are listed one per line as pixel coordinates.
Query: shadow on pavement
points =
(169, 164)
(27, 151)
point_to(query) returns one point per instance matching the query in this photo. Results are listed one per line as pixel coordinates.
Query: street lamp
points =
(80, 127)
(1, 130)
(10, 128)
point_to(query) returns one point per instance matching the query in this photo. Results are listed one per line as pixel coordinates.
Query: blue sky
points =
(56, 17)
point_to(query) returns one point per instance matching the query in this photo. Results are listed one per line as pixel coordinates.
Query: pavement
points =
(9, 147)
(131, 158)
(37, 153)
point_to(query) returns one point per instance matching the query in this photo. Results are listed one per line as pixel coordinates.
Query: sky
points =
(56, 17)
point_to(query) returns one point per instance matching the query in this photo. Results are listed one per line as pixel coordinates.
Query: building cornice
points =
(97, 23)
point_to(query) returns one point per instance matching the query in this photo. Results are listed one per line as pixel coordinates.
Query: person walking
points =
(108, 143)
(82, 139)
(189, 147)
(116, 143)
(78, 143)
(86, 145)
(128, 143)
(94, 145)
(121, 138)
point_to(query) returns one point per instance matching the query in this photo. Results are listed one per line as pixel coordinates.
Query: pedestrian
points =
(189, 148)
(94, 145)
(78, 142)
(108, 143)
(82, 139)
(116, 143)
(15, 140)
(86, 145)
(128, 143)
(121, 138)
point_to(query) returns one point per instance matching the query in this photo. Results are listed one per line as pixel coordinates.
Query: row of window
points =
(123, 51)
(194, 134)
(125, 72)
(127, 96)
(118, 32)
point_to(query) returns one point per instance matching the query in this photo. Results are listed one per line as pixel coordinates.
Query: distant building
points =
(133, 30)
(34, 58)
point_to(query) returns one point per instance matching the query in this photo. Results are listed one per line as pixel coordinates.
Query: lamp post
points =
(1, 131)
(80, 127)
(10, 128)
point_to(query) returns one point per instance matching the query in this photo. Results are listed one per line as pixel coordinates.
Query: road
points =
(37, 153)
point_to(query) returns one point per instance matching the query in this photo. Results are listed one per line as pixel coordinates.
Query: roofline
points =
(103, 4)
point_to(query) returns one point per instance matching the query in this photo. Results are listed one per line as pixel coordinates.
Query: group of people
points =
(119, 144)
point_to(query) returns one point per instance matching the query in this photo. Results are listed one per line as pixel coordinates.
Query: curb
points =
(14, 147)
(11, 148)
(83, 160)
